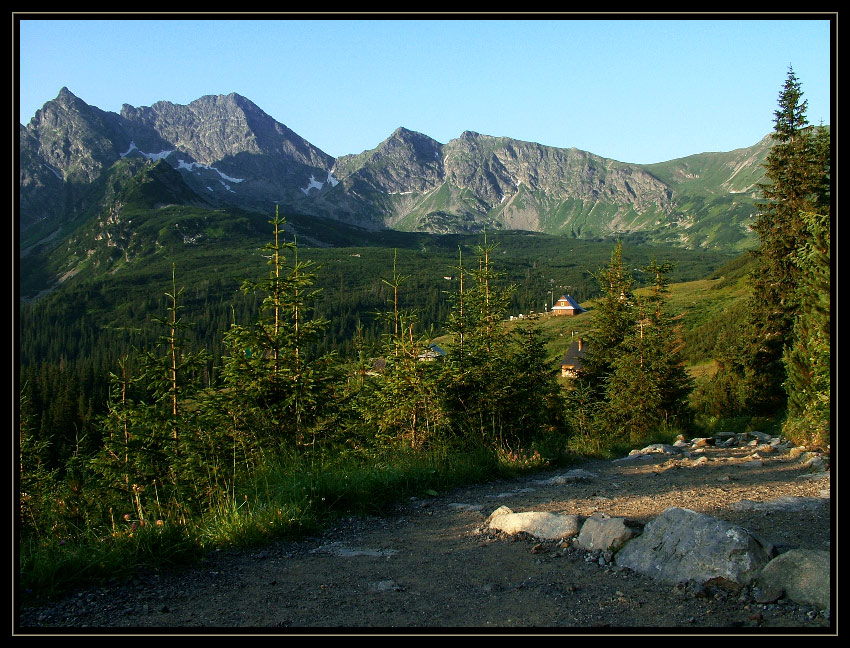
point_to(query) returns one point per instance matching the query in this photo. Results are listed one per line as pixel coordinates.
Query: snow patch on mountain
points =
(182, 164)
(314, 184)
(191, 166)
(150, 156)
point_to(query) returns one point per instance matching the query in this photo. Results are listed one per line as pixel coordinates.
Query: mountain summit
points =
(231, 153)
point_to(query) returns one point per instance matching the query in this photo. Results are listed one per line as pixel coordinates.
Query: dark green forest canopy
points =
(107, 307)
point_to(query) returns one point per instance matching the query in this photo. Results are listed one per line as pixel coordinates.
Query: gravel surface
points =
(434, 563)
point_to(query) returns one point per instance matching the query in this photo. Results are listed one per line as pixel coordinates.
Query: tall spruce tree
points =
(36, 482)
(648, 385)
(148, 441)
(794, 169)
(401, 402)
(633, 380)
(474, 381)
(533, 395)
(271, 367)
(807, 357)
(613, 318)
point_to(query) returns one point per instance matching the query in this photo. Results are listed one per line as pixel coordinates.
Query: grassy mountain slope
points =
(478, 181)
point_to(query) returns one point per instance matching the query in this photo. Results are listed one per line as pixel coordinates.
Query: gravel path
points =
(433, 563)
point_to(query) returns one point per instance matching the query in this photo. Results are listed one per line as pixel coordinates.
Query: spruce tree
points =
(648, 386)
(149, 431)
(613, 317)
(807, 357)
(271, 369)
(794, 170)
(632, 382)
(475, 385)
(36, 482)
(534, 404)
(401, 402)
(168, 376)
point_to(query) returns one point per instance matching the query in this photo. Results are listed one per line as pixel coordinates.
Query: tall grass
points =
(296, 496)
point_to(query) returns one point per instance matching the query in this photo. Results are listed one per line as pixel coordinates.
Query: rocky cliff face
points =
(477, 180)
(225, 146)
(216, 128)
(552, 176)
(230, 152)
(65, 147)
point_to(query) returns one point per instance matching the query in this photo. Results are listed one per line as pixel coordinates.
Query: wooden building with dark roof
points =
(571, 362)
(566, 305)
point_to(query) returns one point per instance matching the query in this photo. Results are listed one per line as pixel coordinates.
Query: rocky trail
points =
(448, 563)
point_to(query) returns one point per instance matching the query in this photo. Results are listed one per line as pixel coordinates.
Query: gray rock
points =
(815, 464)
(761, 436)
(502, 510)
(796, 452)
(542, 525)
(682, 545)
(702, 442)
(571, 476)
(605, 533)
(802, 576)
(657, 448)
(783, 503)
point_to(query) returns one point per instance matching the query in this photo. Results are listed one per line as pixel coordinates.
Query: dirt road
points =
(434, 564)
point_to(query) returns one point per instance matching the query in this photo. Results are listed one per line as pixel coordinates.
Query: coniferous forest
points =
(217, 413)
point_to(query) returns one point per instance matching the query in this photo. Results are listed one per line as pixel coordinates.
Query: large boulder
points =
(682, 545)
(604, 533)
(802, 576)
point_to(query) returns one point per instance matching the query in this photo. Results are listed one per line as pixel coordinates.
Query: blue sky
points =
(639, 91)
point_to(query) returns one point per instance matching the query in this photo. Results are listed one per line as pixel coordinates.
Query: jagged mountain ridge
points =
(217, 142)
(232, 153)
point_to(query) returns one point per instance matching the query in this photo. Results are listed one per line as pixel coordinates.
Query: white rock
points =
(540, 524)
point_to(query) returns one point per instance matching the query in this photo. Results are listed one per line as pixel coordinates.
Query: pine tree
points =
(648, 385)
(271, 368)
(145, 463)
(475, 385)
(794, 169)
(613, 318)
(534, 402)
(807, 358)
(402, 401)
(115, 461)
(632, 380)
(36, 482)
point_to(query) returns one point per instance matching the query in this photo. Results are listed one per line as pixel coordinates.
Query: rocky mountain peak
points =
(229, 151)
(65, 96)
(411, 143)
(65, 103)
